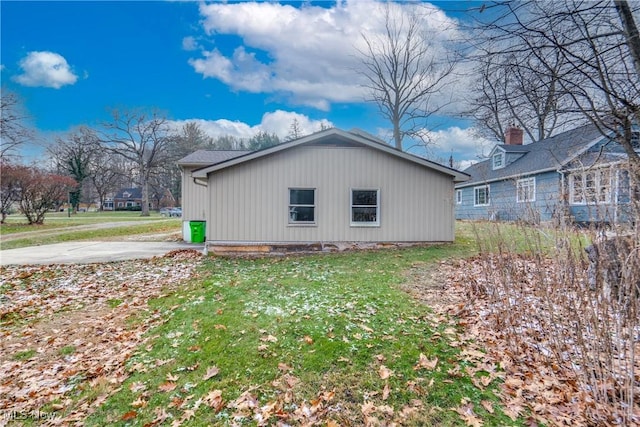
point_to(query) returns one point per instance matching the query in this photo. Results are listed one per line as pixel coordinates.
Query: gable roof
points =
(210, 157)
(132, 193)
(545, 155)
(333, 135)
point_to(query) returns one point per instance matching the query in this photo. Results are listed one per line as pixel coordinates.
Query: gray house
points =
(578, 175)
(331, 186)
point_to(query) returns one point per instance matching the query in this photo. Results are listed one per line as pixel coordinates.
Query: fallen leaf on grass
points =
(129, 416)
(137, 386)
(284, 367)
(308, 339)
(385, 392)
(167, 386)
(269, 338)
(424, 363)
(139, 403)
(367, 408)
(211, 372)
(384, 372)
(214, 400)
(468, 416)
(487, 406)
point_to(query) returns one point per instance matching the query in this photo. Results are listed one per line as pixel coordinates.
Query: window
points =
(481, 196)
(458, 197)
(498, 160)
(365, 207)
(302, 206)
(591, 187)
(526, 190)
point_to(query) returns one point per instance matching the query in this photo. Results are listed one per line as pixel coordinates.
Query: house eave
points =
(457, 176)
(505, 178)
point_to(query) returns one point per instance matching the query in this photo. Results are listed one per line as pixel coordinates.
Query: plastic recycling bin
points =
(197, 231)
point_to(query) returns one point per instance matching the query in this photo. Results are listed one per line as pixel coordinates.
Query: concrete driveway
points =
(90, 252)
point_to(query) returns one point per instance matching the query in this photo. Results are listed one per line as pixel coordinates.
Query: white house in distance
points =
(328, 189)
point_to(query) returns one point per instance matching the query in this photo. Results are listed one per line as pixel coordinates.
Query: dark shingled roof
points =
(132, 193)
(547, 154)
(210, 157)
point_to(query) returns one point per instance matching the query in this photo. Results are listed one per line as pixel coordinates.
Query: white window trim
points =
(493, 160)
(532, 181)
(598, 186)
(289, 206)
(458, 197)
(375, 223)
(475, 199)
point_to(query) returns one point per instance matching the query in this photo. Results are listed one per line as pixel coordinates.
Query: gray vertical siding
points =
(194, 198)
(249, 202)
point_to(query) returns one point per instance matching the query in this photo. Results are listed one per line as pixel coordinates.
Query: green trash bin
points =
(197, 231)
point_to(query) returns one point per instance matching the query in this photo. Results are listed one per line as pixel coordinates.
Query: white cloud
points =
(307, 54)
(189, 43)
(465, 145)
(278, 122)
(47, 69)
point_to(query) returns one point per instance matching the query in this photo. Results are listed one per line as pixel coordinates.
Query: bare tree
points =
(107, 175)
(519, 89)
(189, 138)
(295, 130)
(13, 132)
(73, 156)
(141, 138)
(404, 70)
(594, 44)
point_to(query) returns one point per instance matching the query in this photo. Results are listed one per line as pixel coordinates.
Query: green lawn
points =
(58, 227)
(325, 338)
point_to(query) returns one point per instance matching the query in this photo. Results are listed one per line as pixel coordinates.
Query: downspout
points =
(197, 182)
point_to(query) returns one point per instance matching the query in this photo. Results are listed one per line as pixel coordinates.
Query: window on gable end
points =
(498, 160)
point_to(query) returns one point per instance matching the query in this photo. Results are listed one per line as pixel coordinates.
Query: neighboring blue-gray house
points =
(577, 175)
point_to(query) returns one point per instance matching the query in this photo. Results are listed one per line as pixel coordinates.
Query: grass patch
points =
(67, 350)
(166, 225)
(113, 303)
(56, 220)
(330, 332)
(24, 355)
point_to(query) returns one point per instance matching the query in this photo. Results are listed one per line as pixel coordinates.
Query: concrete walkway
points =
(90, 252)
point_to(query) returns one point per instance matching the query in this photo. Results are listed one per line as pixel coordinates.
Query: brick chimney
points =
(513, 136)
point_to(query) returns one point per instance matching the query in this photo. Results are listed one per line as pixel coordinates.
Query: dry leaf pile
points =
(553, 341)
(70, 323)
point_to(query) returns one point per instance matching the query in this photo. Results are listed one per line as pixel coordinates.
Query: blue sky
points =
(237, 68)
